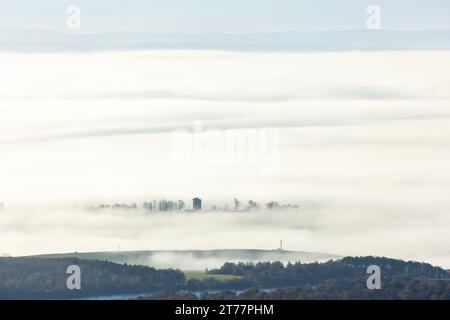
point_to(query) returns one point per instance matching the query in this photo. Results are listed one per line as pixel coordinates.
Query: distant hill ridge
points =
(49, 40)
(198, 259)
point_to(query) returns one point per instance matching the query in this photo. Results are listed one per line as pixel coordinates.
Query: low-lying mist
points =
(336, 228)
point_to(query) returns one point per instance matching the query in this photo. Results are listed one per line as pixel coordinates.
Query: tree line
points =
(394, 288)
(42, 278)
(45, 278)
(279, 275)
(179, 205)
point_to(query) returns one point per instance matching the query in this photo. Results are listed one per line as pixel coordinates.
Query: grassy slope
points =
(199, 275)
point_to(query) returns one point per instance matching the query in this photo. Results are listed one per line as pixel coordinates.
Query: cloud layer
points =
(363, 146)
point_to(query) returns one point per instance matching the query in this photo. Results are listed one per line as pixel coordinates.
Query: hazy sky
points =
(224, 15)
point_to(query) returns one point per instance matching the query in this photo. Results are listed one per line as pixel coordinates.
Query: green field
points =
(201, 275)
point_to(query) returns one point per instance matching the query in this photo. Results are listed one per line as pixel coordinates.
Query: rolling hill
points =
(197, 259)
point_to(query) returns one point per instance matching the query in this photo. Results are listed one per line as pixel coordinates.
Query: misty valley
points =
(176, 153)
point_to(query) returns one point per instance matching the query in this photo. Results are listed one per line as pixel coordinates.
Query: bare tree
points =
(252, 205)
(273, 205)
(181, 205)
(237, 204)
